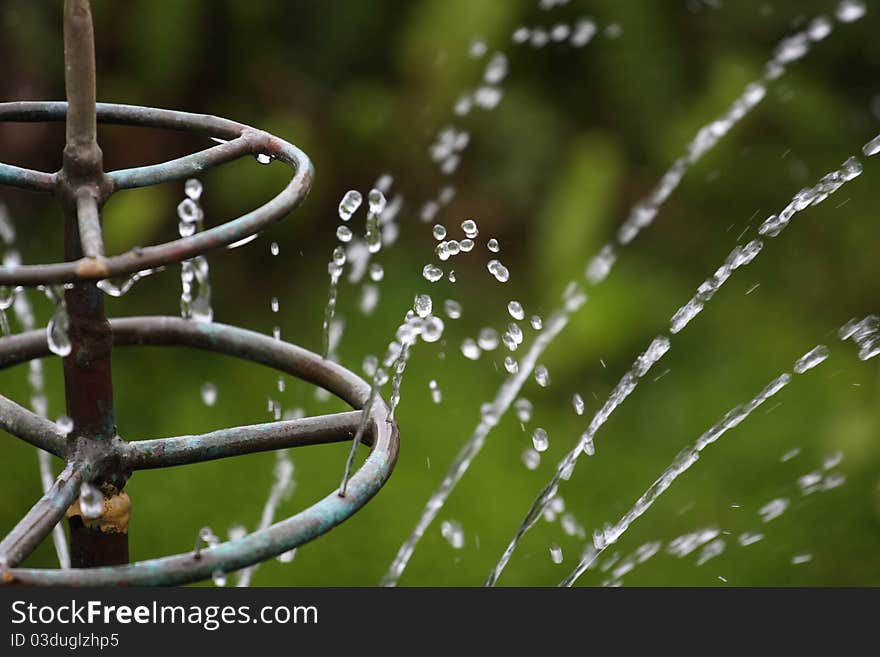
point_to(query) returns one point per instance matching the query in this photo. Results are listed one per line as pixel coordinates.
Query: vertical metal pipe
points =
(87, 372)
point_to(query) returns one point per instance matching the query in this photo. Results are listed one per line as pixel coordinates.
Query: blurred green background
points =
(580, 135)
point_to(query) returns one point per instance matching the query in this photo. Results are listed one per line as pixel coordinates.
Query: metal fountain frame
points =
(93, 451)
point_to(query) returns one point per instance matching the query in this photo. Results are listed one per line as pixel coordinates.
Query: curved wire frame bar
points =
(233, 555)
(238, 140)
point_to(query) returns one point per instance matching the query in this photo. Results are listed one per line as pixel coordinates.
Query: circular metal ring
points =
(262, 544)
(240, 139)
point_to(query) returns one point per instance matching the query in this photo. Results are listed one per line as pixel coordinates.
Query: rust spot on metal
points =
(114, 520)
(92, 268)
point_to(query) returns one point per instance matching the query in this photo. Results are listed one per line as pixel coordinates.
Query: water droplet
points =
(193, 189)
(436, 393)
(542, 376)
(91, 501)
(531, 459)
(499, 271)
(798, 559)
(477, 48)
(287, 557)
(516, 310)
(850, 10)
(376, 201)
(209, 393)
(470, 349)
(810, 359)
(819, 28)
(432, 273)
(493, 245)
(496, 70)
(488, 339)
(274, 305)
(274, 249)
(423, 305)
(65, 424)
(452, 308)
(56, 331)
(556, 554)
(349, 204)
(469, 226)
(466, 245)
(560, 32)
(773, 509)
(453, 533)
(578, 402)
(523, 408)
(511, 365)
(218, 576)
(872, 147)
(189, 212)
(343, 233)
(540, 439)
(584, 30)
(439, 232)
(452, 276)
(377, 272)
(264, 159)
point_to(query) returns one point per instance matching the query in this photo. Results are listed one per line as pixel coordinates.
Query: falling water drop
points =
(850, 10)
(872, 147)
(488, 339)
(511, 365)
(218, 576)
(274, 249)
(453, 533)
(531, 459)
(432, 273)
(523, 408)
(540, 440)
(470, 349)
(499, 271)
(422, 305)
(469, 226)
(349, 204)
(556, 554)
(516, 310)
(452, 308)
(343, 233)
(536, 322)
(91, 501)
(274, 305)
(542, 376)
(439, 232)
(377, 272)
(209, 393)
(810, 359)
(578, 402)
(493, 246)
(193, 189)
(436, 393)
(65, 424)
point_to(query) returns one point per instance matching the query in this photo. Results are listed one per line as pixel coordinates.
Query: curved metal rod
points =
(280, 537)
(182, 167)
(31, 428)
(41, 519)
(30, 111)
(34, 181)
(183, 248)
(183, 450)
